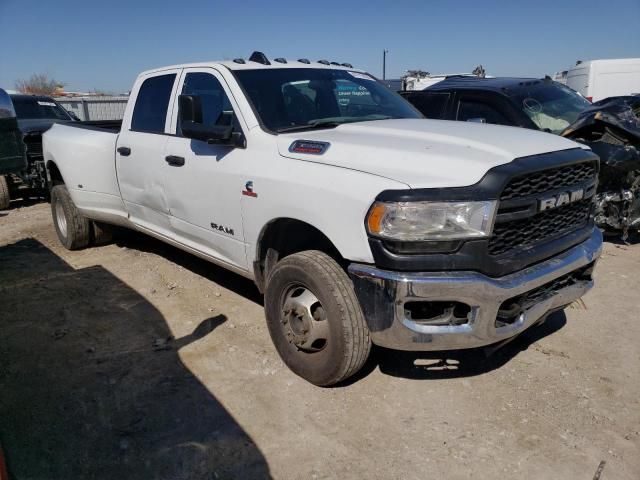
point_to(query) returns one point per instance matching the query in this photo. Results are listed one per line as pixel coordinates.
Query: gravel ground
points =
(136, 360)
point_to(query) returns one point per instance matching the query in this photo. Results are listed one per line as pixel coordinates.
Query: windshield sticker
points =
(46, 104)
(532, 105)
(361, 76)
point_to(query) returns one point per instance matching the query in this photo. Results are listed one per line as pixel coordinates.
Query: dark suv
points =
(30, 116)
(12, 158)
(519, 102)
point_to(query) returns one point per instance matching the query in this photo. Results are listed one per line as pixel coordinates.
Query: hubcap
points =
(304, 320)
(61, 220)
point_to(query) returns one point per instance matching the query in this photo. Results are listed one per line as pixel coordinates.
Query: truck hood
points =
(424, 153)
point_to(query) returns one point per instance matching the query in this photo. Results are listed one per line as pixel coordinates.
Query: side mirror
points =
(192, 126)
(477, 120)
(190, 108)
(6, 106)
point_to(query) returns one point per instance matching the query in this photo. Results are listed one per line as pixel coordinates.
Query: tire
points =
(73, 229)
(5, 194)
(314, 318)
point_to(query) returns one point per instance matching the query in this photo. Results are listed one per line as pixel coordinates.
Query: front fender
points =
(334, 200)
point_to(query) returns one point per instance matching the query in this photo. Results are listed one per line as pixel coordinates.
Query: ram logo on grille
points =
(560, 199)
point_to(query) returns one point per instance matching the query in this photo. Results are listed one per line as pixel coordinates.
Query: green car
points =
(12, 156)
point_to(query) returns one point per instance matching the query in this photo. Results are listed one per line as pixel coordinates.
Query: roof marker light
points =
(239, 60)
(259, 57)
(324, 62)
(304, 60)
(280, 60)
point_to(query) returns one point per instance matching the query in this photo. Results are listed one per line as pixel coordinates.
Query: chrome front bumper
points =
(383, 294)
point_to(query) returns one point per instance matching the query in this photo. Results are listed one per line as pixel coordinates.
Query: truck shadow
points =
(616, 239)
(218, 275)
(412, 365)
(93, 386)
(462, 363)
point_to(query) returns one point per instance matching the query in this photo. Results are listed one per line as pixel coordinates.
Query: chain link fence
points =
(95, 108)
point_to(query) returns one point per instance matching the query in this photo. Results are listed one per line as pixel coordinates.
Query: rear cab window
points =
(152, 104)
(31, 108)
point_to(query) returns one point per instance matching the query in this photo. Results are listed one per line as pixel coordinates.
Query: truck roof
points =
(498, 84)
(623, 61)
(259, 61)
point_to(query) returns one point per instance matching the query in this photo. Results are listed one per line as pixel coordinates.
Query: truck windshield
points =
(551, 106)
(38, 108)
(290, 99)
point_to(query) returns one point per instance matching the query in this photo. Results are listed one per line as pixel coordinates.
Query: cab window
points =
(472, 109)
(216, 107)
(152, 103)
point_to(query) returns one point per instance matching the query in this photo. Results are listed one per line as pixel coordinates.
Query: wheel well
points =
(286, 236)
(55, 178)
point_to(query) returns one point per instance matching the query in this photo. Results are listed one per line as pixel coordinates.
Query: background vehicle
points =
(600, 79)
(35, 114)
(610, 128)
(360, 221)
(12, 159)
(419, 80)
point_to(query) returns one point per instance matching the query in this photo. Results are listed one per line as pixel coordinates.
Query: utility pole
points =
(384, 64)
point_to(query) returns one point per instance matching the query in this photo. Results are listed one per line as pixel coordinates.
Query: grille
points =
(543, 226)
(546, 180)
(510, 309)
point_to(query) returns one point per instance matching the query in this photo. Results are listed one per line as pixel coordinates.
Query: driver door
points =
(204, 183)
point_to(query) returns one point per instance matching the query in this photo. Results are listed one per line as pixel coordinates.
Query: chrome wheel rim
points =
(61, 220)
(304, 320)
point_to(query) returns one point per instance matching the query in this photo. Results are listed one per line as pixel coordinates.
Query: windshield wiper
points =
(333, 122)
(311, 126)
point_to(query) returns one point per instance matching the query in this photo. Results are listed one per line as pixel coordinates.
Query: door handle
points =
(124, 151)
(174, 160)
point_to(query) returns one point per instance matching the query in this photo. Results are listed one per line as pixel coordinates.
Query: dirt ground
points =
(136, 360)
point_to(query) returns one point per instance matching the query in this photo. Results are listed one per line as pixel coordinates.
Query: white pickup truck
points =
(361, 221)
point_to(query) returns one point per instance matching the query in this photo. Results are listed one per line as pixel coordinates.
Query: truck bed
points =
(85, 155)
(112, 126)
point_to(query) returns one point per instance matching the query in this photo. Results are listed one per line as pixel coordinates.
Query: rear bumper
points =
(383, 295)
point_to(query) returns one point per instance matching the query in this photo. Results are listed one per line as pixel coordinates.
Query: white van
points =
(598, 79)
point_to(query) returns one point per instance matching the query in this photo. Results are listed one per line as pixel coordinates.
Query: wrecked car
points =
(610, 127)
(32, 116)
(12, 158)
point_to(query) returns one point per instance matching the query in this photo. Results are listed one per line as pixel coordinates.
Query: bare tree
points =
(39, 84)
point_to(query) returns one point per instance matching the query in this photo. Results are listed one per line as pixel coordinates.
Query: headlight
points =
(424, 221)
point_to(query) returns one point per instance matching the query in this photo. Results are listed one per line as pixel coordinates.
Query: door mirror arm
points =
(238, 140)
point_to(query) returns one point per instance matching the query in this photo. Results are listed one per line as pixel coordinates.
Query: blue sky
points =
(103, 45)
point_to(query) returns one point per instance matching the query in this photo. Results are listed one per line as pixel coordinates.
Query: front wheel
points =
(315, 319)
(72, 227)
